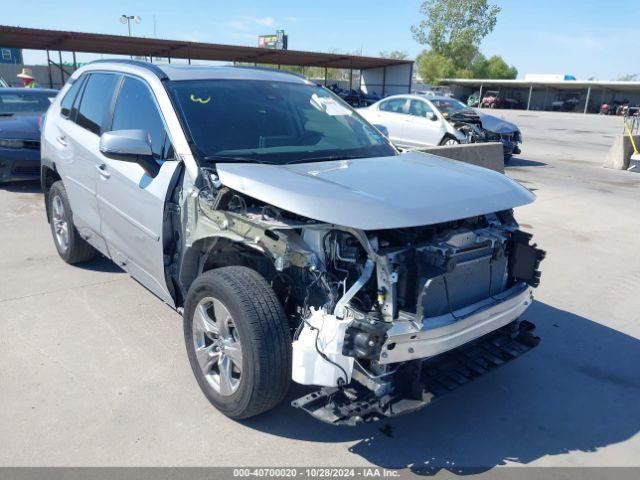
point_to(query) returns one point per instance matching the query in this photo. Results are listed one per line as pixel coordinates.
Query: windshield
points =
(450, 106)
(272, 122)
(24, 102)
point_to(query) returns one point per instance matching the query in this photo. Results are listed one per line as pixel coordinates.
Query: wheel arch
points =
(48, 176)
(214, 252)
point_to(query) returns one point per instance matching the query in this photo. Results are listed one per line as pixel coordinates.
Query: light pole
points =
(127, 19)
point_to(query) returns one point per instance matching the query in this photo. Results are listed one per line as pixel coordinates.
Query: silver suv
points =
(294, 239)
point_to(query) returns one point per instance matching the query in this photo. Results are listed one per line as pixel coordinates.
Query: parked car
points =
(21, 111)
(441, 91)
(294, 239)
(421, 121)
(566, 104)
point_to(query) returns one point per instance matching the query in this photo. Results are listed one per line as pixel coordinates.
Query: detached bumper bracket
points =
(437, 376)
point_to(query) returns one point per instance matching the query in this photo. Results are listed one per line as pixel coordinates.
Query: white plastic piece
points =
(309, 368)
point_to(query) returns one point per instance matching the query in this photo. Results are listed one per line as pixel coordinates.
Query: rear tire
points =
(71, 247)
(230, 310)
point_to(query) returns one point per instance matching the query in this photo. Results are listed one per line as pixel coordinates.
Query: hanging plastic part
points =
(317, 352)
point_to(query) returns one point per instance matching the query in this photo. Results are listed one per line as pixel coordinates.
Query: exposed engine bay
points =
(471, 125)
(369, 309)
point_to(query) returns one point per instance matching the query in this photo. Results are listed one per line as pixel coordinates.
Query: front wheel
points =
(238, 341)
(449, 141)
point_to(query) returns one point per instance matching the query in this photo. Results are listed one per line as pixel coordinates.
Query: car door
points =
(77, 141)
(131, 203)
(391, 113)
(422, 126)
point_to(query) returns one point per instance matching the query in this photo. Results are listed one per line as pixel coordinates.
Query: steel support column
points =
(586, 102)
(350, 84)
(529, 100)
(326, 76)
(61, 69)
(480, 96)
(49, 68)
(384, 79)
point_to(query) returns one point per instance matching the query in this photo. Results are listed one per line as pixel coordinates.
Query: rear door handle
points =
(62, 141)
(102, 170)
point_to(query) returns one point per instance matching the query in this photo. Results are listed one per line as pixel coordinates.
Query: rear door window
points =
(96, 101)
(136, 109)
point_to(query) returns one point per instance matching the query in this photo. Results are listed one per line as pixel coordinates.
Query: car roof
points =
(206, 72)
(27, 90)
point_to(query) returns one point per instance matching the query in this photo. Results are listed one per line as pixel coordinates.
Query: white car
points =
(413, 121)
(419, 120)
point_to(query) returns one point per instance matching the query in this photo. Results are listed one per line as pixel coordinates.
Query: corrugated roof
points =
(38, 39)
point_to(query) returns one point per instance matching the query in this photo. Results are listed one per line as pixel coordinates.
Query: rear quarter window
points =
(67, 102)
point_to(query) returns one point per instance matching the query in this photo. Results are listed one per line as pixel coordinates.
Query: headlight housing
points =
(6, 143)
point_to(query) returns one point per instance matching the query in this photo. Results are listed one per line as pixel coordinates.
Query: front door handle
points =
(62, 141)
(102, 170)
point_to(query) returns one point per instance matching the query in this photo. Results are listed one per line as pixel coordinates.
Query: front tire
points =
(71, 247)
(238, 341)
(449, 141)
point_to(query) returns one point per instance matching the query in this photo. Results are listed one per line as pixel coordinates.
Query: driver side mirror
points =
(130, 146)
(431, 116)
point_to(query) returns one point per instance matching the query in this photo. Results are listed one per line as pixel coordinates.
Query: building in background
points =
(10, 55)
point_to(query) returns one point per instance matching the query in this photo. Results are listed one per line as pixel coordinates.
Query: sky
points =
(585, 38)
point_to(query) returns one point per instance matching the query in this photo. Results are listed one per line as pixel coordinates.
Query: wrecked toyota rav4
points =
(295, 240)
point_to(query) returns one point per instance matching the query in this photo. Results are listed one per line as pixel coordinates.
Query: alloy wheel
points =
(217, 346)
(60, 225)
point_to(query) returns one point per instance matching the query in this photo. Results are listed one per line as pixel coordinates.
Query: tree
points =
(628, 77)
(494, 67)
(394, 54)
(433, 66)
(455, 28)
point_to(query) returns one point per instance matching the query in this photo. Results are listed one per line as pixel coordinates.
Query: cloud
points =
(247, 23)
(266, 21)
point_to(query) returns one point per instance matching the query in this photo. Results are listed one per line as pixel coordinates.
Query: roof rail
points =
(138, 63)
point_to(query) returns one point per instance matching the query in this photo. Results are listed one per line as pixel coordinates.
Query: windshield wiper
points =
(6, 114)
(232, 159)
(324, 159)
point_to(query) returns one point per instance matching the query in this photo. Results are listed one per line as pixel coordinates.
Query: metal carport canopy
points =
(38, 39)
(559, 84)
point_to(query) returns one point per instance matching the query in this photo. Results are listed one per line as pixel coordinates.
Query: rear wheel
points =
(71, 247)
(238, 341)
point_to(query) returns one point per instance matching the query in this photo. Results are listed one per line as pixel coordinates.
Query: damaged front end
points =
(478, 128)
(383, 321)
